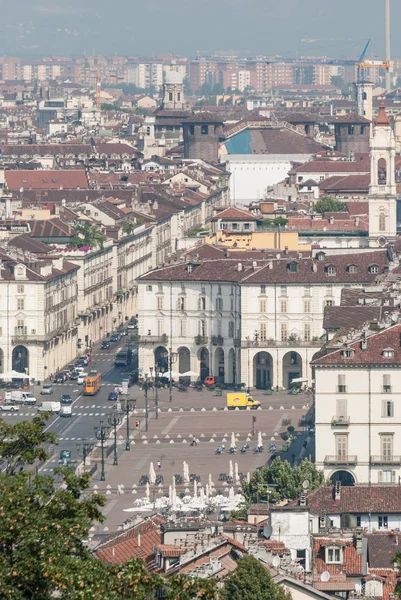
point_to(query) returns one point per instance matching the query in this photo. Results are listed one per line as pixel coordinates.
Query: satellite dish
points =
(305, 485)
(325, 576)
(276, 561)
(267, 531)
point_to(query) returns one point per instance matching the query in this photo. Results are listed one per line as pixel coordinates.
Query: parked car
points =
(74, 375)
(65, 411)
(46, 389)
(116, 337)
(66, 399)
(113, 397)
(9, 407)
(105, 345)
(59, 378)
(65, 457)
(80, 364)
(85, 359)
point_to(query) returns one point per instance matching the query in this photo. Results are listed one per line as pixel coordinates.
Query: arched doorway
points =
(203, 357)
(219, 364)
(263, 370)
(344, 477)
(161, 359)
(184, 360)
(20, 359)
(232, 367)
(292, 368)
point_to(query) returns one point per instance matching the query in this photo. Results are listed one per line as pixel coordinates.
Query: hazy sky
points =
(331, 27)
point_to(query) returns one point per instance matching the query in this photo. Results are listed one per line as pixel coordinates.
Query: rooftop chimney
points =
(337, 491)
(239, 267)
(286, 250)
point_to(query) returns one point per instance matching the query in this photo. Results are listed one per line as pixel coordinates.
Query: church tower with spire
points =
(382, 189)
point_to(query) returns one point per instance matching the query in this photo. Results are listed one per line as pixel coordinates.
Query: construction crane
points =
(363, 65)
(98, 88)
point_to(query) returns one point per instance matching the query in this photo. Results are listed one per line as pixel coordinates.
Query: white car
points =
(9, 407)
(81, 378)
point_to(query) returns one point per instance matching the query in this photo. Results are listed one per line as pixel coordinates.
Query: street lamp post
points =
(128, 406)
(100, 434)
(114, 421)
(84, 450)
(146, 387)
(172, 359)
(155, 389)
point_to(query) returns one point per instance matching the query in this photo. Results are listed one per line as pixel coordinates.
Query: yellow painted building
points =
(245, 240)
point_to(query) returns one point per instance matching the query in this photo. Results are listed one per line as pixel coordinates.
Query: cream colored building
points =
(38, 303)
(358, 425)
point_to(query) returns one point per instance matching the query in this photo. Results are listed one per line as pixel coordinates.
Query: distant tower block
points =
(364, 98)
(202, 133)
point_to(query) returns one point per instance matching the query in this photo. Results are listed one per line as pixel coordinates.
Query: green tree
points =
(43, 525)
(276, 222)
(286, 480)
(86, 234)
(252, 581)
(329, 204)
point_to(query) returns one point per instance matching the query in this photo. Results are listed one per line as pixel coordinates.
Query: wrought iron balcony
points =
(217, 340)
(153, 339)
(200, 340)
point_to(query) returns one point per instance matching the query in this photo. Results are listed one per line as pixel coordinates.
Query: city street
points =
(202, 416)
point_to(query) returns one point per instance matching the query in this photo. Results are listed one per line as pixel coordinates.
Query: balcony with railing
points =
(340, 421)
(271, 343)
(385, 460)
(217, 340)
(200, 340)
(343, 459)
(154, 339)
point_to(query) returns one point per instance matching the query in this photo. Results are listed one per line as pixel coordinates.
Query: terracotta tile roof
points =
(351, 118)
(136, 542)
(234, 214)
(390, 580)
(117, 148)
(352, 561)
(169, 550)
(382, 547)
(52, 228)
(349, 183)
(338, 317)
(258, 509)
(45, 149)
(357, 208)
(334, 166)
(27, 243)
(276, 270)
(389, 338)
(323, 225)
(46, 179)
(356, 500)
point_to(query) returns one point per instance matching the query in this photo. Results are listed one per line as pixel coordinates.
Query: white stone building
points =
(358, 427)
(266, 313)
(38, 303)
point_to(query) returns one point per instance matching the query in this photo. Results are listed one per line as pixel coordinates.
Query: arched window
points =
(382, 172)
(382, 222)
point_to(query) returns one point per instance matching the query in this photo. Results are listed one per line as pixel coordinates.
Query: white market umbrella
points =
(299, 380)
(195, 488)
(248, 477)
(152, 474)
(13, 375)
(236, 476)
(173, 374)
(190, 374)
(233, 442)
(186, 472)
(207, 491)
(260, 441)
(210, 480)
(231, 470)
(147, 491)
(231, 493)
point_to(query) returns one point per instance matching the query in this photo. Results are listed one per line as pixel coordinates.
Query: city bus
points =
(123, 357)
(92, 384)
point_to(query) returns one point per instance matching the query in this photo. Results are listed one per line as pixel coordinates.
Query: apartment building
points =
(358, 429)
(258, 321)
(38, 301)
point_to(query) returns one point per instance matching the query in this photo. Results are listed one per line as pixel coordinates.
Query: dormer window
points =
(352, 269)
(331, 270)
(293, 267)
(348, 353)
(373, 269)
(320, 256)
(334, 555)
(388, 353)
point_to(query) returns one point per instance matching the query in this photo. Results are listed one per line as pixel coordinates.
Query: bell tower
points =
(382, 189)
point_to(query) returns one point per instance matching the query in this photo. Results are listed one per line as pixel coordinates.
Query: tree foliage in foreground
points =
(252, 581)
(43, 525)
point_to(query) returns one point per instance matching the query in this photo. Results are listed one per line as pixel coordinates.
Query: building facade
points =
(358, 429)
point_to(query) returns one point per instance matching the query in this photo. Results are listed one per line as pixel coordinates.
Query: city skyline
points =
(315, 28)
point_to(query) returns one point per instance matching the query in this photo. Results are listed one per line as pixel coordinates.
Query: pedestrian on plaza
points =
(137, 424)
(159, 465)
